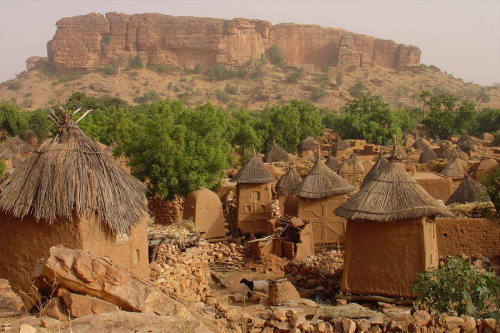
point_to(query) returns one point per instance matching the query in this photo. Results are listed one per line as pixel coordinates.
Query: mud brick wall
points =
(469, 236)
(166, 212)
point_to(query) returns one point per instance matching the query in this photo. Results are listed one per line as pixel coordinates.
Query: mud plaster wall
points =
(254, 207)
(438, 187)
(382, 258)
(327, 227)
(470, 236)
(205, 209)
(24, 242)
(129, 251)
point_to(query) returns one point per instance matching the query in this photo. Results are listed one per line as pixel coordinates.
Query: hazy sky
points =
(460, 37)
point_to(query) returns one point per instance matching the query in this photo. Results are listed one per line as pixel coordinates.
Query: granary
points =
(254, 185)
(469, 190)
(427, 155)
(70, 192)
(455, 170)
(205, 209)
(20, 148)
(409, 140)
(306, 147)
(352, 170)
(388, 239)
(320, 192)
(285, 187)
(421, 143)
(333, 163)
(276, 154)
(466, 143)
(375, 169)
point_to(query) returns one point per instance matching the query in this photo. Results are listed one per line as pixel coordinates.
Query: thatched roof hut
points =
(455, 169)
(16, 145)
(70, 174)
(466, 143)
(253, 172)
(390, 196)
(351, 167)
(308, 143)
(448, 153)
(427, 155)
(321, 182)
(470, 190)
(340, 145)
(421, 143)
(288, 182)
(276, 154)
(375, 169)
(333, 163)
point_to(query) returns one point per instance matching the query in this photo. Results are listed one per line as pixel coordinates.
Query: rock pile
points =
(166, 212)
(321, 272)
(183, 275)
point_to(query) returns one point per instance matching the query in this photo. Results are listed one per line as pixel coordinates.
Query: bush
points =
(294, 77)
(357, 90)
(222, 96)
(135, 63)
(317, 93)
(230, 89)
(339, 78)
(148, 97)
(351, 68)
(457, 288)
(162, 68)
(275, 57)
(492, 183)
(218, 72)
(16, 85)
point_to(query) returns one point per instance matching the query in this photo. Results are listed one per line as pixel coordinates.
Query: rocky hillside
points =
(237, 63)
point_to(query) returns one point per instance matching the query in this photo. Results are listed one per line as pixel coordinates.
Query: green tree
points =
(357, 90)
(458, 288)
(370, 118)
(339, 79)
(492, 183)
(275, 57)
(488, 120)
(12, 121)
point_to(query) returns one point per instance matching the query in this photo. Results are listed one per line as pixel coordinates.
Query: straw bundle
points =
(70, 175)
(321, 182)
(288, 182)
(390, 196)
(470, 190)
(253, 172)
(276, 154)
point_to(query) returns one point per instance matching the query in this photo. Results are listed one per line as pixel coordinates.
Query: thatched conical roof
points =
(454, 169)
(15, 144)
(466, 143)
(340, 145)
(437, 141)
(288, 182)
(375, 169)
(421, 143)
(351, 166)
(470, 190)
(390, 196)
(427, 155)
(333, 163)
(308, 143)
(70, 175)
(253, 172)
(321, 182)
(276, 154)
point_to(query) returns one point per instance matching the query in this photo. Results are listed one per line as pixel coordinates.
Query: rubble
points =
(10, 303)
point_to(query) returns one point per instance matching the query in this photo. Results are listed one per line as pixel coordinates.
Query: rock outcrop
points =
(94, 40)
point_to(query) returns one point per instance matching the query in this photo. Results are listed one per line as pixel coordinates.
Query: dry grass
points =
(70, 175)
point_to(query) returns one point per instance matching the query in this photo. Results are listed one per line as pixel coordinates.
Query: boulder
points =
(55, 309)
(282, 291)
(10, 303)
(80, 305)
(84, 273)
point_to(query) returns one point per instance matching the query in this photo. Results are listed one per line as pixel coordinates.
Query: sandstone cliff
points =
(92, 41)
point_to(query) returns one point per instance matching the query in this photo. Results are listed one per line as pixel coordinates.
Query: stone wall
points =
(477, 236)
(94, 40)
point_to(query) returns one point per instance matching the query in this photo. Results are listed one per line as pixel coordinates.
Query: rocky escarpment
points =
(94, 40)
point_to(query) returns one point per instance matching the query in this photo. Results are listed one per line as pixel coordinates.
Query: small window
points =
(262, 208)
(254, 196)
(248, 208)
(137, 256)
